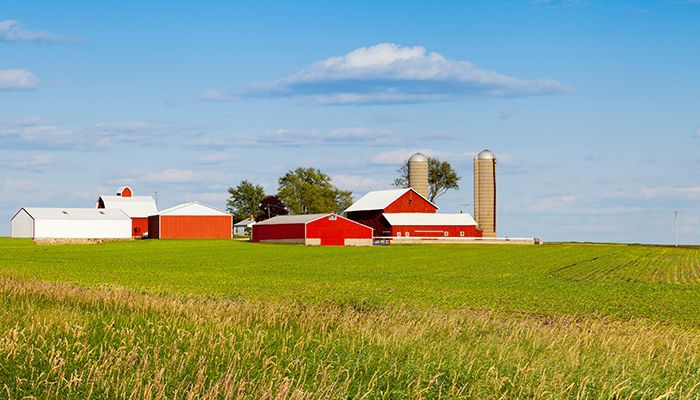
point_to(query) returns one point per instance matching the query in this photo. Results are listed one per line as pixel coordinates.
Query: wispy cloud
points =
(171, 176)
(27, 162)
(697, 133)
(14, 31)
(389, 73)
(17, 79)
(217, 97)
(658, 192)
(562, 2)
(356, 182)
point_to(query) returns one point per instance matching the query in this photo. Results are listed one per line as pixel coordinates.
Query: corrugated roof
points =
(292, 219)
(94, 214)
(193, 208)
(426, 219)
(380, 199)
(244, 222)
(134, 207)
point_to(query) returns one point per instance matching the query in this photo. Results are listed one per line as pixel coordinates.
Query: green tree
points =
(244, 200)
(310, 191)
(441, 178)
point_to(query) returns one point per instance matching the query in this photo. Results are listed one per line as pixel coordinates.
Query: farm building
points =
(370, 208)
(431, 225)
(190, 221)
(312, 230)
(138, 208)
(239, 228)
(405, 212)
(70, 223)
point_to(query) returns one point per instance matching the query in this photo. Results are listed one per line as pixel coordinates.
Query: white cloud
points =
(214, 157)
(659, 192)
(216, 96)
(30, 161)
(355, 182)
(697, 134)
(17, 79)
(13, 31)
(389, 73)
(171, 176)
(554, 204)
(397, 157)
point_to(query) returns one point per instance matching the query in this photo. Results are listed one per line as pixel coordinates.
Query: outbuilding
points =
(190, 221)
(432, 225)
(244, 227)
(312, 230)
(70, 223)
(138, 208)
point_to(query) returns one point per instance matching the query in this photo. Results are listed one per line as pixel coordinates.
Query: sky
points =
(591, 107)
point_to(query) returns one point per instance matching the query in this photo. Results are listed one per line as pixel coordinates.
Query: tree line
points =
(311, 191)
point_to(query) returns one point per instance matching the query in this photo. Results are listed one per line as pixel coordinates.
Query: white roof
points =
(76, 213)
(134, 207)
(245, 222)
(425, 219)
(380, 199)
(292, 219)
(194, 208)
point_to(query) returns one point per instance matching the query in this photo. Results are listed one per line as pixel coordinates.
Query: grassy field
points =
(191, 319)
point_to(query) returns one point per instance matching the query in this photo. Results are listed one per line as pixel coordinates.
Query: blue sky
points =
(592, 107)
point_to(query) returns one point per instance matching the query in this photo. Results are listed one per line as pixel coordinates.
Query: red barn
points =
(312, 229)
(432, 225)
(138, 208)
(404, 212)
(369, 209)
(190, 221)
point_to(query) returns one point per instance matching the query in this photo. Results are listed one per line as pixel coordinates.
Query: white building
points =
(239, 228)
(70, 223)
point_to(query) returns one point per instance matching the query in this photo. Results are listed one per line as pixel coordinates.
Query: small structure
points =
(190, 221)
(368, 210)
(138, 208)
(239, 228)
(485, 192)
(432, 225)
(312, 230)
(70, 223)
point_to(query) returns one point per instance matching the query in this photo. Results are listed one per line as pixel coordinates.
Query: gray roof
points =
(95, 214)
(418, 157)
(292, 219)
(485, 155)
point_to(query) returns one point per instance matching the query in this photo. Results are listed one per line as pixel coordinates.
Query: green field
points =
(225, 319)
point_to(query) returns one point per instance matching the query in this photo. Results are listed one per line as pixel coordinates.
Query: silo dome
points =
(485, 155)
(418, 157)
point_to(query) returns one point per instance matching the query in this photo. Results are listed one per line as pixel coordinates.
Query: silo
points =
(418, 173)
(485, 192)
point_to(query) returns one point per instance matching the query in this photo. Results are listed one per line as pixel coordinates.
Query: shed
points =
(312, 229)
(239, 228)
(70, 223)
(138, 208)
(368, 210)
(190, 221)
(431, 225)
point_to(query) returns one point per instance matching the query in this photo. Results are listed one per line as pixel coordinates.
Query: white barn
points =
(70, 223)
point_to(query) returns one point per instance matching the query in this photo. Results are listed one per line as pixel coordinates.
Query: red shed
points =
(368, 210)
(190, 221)
(312, 229)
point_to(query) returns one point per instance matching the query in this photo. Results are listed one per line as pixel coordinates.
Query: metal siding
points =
(276, 232)
(410, 202)
(334, 232)
(439, 231)
(195, 227)
(22, 225)
(139, 226)
(82, 229)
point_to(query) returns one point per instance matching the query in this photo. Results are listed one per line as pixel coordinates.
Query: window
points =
(398, 234)
(408, 234)
(447, 233)
(461, 233)
(65, 212)
(332, 218)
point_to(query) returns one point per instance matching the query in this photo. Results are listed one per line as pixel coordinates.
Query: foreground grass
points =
(69, 342)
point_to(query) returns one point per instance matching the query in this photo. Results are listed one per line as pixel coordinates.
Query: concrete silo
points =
(485, 192)
(418, 173)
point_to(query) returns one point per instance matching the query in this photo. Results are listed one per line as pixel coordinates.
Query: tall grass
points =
(61, 341)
